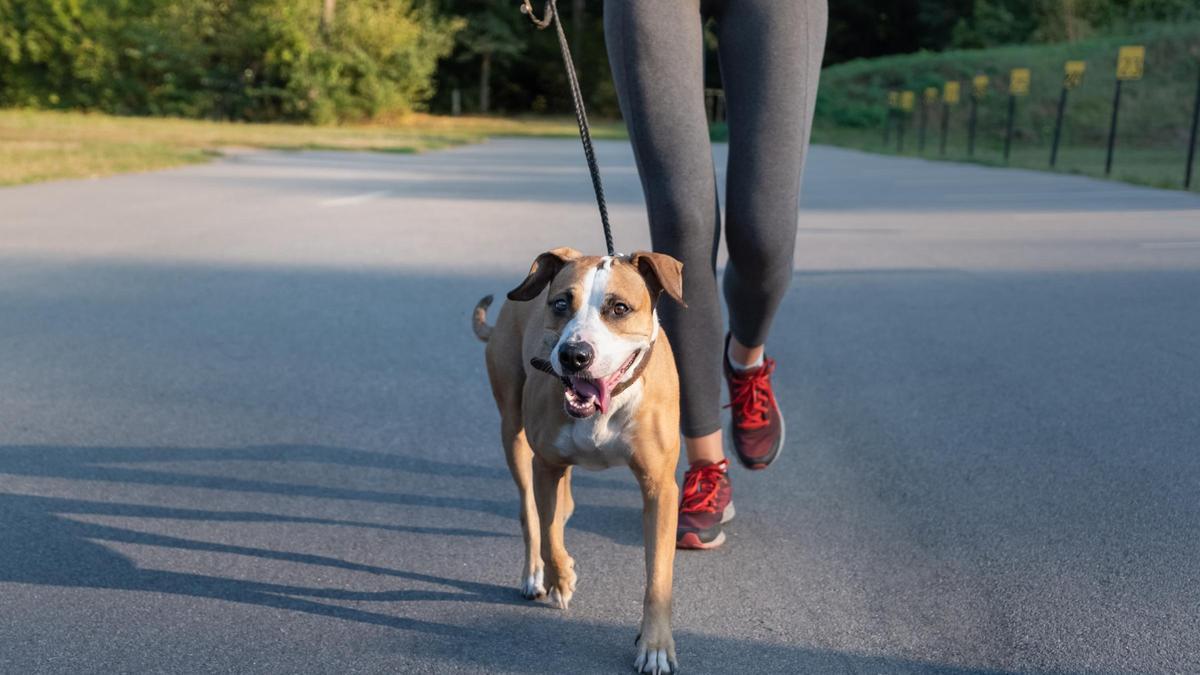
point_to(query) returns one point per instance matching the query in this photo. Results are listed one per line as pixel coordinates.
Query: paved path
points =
(244, 426)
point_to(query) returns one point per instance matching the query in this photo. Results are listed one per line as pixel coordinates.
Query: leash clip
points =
(547, 15)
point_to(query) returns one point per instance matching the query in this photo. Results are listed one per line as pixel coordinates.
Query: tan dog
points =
(582, 374)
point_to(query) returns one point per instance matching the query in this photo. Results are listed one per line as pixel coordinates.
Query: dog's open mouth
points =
(584, 396)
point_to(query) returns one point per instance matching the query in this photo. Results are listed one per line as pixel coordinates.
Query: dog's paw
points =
(562, 585)
(561, 599)
(533, 586)
(656, 656)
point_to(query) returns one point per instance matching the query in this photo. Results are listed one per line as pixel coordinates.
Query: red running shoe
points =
(758, 428)
(706, 505)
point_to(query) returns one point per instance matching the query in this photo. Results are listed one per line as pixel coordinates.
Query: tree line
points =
(348, 60)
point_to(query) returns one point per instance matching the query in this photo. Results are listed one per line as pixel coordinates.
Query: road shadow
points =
(617, 523)
(43, 545)
(45, 542)
(554, 642)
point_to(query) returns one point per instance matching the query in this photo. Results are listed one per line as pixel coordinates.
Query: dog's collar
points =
(544, 366)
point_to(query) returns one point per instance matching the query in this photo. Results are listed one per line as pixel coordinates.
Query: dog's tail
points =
(479, 319)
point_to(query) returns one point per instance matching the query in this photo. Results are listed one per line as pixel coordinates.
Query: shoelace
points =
(751, 397)
(701, 487)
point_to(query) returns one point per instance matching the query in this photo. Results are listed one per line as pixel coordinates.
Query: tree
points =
(328, 9)
(487, 36)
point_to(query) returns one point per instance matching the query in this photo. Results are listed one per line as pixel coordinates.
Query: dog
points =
(583, 375)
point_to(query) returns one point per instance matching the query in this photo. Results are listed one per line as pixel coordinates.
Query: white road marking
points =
(1169, 244)
(354, 200)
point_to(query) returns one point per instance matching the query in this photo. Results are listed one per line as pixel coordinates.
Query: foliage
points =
(270, 59)
(1158, 107)
(992, 23)
(526, 69)
(869, 28)
(234, 59)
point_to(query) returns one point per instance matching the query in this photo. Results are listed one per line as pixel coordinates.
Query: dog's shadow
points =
(45, 546)
(49, 541)
(620, 524)
(558, 645)
(46, 542)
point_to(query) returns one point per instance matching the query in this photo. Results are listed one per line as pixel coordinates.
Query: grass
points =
(1154, 119)
(40, 145)
(1160, 167)
(37, 145)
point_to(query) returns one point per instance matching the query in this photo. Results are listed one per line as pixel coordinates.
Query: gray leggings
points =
(770, 55)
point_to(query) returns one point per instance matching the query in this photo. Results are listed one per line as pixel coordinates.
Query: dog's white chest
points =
(602, 441)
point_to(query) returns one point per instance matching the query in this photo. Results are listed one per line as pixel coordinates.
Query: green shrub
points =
(234, 59)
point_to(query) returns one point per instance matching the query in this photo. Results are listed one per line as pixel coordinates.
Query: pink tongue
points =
(585, 388)
(592, 389)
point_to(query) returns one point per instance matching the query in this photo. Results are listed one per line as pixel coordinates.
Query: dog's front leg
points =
(520, 463)
(549, 486)
(660, 501)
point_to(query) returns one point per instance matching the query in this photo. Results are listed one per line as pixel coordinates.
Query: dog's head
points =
(600, 317)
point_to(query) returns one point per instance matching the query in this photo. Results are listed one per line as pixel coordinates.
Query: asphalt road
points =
(244, 426)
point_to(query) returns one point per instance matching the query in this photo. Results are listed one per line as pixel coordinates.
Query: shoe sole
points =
(691, 541)
(759, 466)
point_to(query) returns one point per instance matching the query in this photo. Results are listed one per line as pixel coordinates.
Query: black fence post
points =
(921, 133)
(971, 126)
(1072, 77)
(945, 127)
(979, 88)
(1018, 85)
(1131, 61)
(907, 100)
(1191, 154)
(1008, 127)
(1058, 122)
(716, 110)
(1112, 129)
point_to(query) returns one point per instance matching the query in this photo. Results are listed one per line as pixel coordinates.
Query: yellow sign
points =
(1130, 61)
(980, 84)
(1073, 74)
(893, 99)
(950, 93)
(1018, 81)
(931, 94)
(906, 101)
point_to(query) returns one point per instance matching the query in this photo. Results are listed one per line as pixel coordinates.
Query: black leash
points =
(550, 16)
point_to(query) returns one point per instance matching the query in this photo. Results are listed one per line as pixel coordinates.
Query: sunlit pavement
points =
(244, 426)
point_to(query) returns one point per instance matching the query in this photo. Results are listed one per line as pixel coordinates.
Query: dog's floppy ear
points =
(543, 270)
(662, 274)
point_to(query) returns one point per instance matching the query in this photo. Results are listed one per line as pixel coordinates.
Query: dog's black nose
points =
(576, 356)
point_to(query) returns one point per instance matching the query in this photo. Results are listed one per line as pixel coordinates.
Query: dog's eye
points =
(560, 306)
(620, 309)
